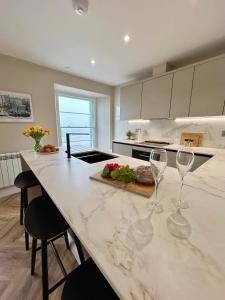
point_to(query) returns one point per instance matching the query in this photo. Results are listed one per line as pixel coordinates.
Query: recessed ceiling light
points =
(93, 62)
(80, 7)
(126, 38)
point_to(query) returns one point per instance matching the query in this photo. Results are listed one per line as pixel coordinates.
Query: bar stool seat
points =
(86, 282)
(24, 181)
(44, 222)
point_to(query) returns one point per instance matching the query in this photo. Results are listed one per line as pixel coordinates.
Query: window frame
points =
(76, 96)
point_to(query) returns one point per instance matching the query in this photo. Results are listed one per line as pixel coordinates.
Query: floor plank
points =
(16, 283)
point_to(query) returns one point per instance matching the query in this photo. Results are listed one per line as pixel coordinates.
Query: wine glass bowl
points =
(184, 163)
(158, 163)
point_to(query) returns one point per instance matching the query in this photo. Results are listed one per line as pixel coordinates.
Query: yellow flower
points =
(35, 131)
(47, 132)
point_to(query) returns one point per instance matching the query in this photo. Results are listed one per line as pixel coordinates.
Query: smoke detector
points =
(80, 7)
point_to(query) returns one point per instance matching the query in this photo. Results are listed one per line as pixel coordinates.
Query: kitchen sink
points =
(92, 157)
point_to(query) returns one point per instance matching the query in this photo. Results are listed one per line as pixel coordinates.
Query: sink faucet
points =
(68, 148)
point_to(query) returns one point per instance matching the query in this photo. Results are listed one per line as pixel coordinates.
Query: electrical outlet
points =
(223, 133)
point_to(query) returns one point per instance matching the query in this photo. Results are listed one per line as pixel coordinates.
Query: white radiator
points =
(10, 167)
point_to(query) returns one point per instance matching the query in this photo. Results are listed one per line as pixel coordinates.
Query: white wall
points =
(103, 117)
(171, 129)
(21, 76)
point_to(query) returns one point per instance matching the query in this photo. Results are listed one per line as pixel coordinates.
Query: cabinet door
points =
(208, 92)
(199, 160)
(130, 101)
(156, 98)
(171, 158)
(122, 149)
(181, 93)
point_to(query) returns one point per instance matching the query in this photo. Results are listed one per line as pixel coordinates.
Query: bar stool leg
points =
(43, 191)
(25, 199)
(44, 261)
(25, 204)
(79, 247)
(33, 255)
(66, 240)
(26, 241)
(21, 206)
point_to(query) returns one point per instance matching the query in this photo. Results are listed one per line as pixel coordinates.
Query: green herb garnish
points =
(105, 172)
(124, 174)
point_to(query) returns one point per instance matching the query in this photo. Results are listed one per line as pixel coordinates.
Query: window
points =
(76, 115)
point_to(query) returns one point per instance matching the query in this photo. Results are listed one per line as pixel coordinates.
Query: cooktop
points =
(155, 143)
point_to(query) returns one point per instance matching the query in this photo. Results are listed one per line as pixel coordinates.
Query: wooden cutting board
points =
(194, 138)
(137, 188)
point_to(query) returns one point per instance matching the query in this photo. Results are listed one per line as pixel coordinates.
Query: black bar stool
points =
(44, 222)
(86, 282)
(24, 181)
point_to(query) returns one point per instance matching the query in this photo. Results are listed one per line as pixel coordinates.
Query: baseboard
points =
(8, 191)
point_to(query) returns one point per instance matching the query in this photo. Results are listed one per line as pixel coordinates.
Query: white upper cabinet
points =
(181, 93)
(130, 101)
(156, 97)
(208, 94)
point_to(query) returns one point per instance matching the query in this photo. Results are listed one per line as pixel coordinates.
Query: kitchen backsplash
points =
(170, 130)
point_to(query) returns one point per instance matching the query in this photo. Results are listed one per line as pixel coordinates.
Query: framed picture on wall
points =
(15, 107)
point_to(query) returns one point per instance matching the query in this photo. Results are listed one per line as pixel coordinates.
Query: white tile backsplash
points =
(171, 129)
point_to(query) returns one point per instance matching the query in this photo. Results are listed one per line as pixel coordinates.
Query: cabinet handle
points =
(223, 108)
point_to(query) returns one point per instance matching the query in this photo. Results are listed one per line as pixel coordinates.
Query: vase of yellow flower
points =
(37, 133)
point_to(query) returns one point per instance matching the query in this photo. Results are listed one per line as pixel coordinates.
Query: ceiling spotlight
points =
(80, 7)
(93, 62)
(126, 38)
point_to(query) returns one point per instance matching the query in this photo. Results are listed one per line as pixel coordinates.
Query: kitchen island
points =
(113, 226)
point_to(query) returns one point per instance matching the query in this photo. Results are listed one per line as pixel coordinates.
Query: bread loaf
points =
(144, 175)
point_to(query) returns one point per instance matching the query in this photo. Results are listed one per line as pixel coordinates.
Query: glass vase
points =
(37, 145)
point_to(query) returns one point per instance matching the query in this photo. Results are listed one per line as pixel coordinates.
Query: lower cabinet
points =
(143, 153)
(122, 149)
(198, 161)
(171, 159)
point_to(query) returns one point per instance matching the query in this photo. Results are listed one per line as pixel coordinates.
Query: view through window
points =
(77, 116)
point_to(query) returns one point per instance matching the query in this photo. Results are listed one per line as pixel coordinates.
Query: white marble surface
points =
(200, 150)
(113, 226)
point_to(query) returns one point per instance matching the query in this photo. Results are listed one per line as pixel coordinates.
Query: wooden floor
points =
(16, 283)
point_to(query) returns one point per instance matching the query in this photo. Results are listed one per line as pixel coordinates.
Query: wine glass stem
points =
(156, 191)
(180, 193)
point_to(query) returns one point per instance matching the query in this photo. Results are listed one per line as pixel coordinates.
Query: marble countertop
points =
(200, 150)
(114, 227)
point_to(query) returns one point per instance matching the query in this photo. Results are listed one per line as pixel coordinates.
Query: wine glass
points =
(158, 163)
(184, 163)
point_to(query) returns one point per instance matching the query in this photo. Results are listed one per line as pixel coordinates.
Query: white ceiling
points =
(49, 33)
